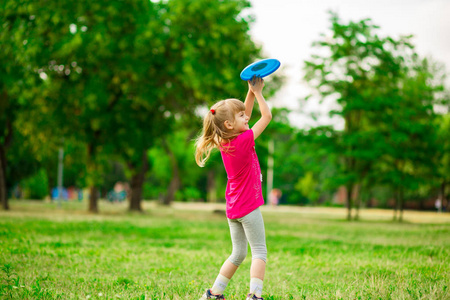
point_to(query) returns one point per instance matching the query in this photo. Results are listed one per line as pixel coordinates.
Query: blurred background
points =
(102, 100)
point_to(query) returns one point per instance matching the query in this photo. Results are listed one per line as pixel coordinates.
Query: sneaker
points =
(253, 297)
(209, 295)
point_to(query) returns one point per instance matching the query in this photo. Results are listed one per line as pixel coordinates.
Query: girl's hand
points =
(256, 85)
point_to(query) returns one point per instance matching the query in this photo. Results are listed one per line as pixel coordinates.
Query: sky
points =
(286, 29)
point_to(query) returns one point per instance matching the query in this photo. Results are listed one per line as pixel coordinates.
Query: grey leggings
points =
(249, 228)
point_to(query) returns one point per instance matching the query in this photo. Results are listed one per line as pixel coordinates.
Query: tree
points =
(443, 158)
(371, 79)
(319, 161)
(409, 131)
(102, 69)
(22, 105)
(175, 66)
(355, 65)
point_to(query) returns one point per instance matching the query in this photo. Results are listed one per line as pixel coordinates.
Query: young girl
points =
(226, 127)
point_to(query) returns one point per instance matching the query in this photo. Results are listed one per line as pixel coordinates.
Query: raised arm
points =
(256, 86)
(249, 101)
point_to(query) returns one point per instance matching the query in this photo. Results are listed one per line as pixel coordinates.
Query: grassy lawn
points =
(48, 252)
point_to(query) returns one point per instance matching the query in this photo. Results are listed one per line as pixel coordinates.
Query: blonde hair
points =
(214, 132)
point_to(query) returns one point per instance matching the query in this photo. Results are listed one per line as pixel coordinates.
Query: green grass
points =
(48, 252)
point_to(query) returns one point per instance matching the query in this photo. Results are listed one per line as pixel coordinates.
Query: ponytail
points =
(207, 141)
(214, 133)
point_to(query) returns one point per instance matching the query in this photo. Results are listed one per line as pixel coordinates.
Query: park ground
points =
(49, 251)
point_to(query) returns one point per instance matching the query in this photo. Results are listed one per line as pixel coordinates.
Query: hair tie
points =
(213, 111)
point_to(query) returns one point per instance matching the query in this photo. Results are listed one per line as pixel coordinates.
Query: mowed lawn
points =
(48, 252)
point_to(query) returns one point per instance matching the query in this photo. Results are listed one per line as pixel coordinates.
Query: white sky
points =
(287, 28)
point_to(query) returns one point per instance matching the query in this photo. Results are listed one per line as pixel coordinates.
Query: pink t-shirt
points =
(244, 193)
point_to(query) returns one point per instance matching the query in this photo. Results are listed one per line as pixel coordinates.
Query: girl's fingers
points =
(256, 80)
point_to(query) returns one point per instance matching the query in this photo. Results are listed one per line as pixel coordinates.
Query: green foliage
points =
(22, 160)
(202, 34)
(443, 154)
(181, 147)
(24, 144)
(75, 160)
(36, 186)
(123, 81)
(307, 185)
(385, 96)
(123, 71)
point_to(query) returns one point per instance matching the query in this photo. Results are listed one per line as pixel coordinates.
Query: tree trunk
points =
(349, 202)
(174, 186)
(137, 181)
(211, 187)
(357, 200)
(175, 182)
(395, 205)
(6, 143)
(442, 196)
(93, 197)
(400, 204)
(3, 191)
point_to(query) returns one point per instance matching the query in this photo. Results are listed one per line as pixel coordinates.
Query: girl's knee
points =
(260, 252)
(237, 257)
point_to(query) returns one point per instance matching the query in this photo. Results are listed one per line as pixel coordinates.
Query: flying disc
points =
(260, 68)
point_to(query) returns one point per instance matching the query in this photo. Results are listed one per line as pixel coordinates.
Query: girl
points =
(226, 127)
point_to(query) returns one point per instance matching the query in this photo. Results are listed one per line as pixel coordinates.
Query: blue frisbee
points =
(260, 68)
